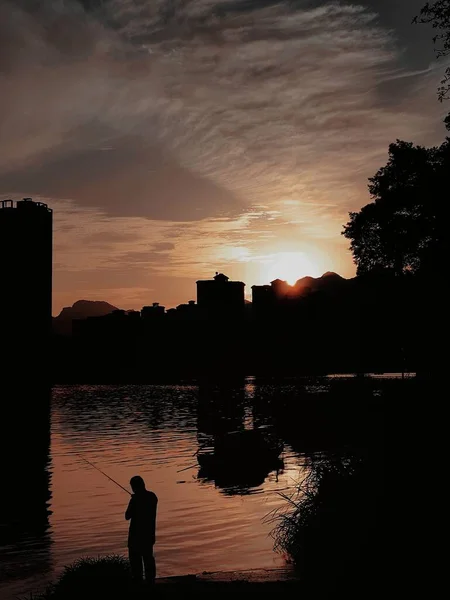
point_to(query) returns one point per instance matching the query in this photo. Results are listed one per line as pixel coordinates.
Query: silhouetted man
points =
(141, 537)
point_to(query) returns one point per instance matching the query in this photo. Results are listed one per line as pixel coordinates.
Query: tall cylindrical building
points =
(26, 231)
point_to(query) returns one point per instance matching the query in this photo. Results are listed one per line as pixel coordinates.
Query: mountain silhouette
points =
(81, 309)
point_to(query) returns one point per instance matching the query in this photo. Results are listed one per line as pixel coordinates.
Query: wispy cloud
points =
(220, 129)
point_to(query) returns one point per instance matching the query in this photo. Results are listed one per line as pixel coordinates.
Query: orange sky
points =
(255, 247)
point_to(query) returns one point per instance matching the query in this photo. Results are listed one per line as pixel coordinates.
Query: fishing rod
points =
(191, 466)
(186, 468)
(110, 478)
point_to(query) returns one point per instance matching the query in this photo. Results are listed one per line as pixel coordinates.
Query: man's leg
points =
(149, 565)
(135, 558)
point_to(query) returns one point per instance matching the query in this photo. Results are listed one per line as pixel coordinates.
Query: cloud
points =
(219, 129)
(244, 102)
(162, 246)
(125, 180)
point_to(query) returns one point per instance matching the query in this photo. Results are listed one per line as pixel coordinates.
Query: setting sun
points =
(291, 266)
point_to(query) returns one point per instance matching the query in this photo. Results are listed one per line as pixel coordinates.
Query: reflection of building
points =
(220, 407)
(240, 460)
(25, 536)
(220, 296)
(26, 280)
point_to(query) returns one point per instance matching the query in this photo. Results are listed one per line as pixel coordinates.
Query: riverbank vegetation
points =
(331, 528)
(101, 577)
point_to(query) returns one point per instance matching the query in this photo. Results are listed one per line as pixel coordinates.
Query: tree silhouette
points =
(403, 228)
(438, 15)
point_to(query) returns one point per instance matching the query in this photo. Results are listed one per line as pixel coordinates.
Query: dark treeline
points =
(372, 323)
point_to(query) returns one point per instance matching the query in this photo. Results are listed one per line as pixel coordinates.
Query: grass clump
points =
(330, 528)
(101, 577)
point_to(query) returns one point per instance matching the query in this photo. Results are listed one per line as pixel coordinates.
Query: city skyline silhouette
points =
(223, 257)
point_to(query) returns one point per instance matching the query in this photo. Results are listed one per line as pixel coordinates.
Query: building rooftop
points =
(24, 204)
(219, 277)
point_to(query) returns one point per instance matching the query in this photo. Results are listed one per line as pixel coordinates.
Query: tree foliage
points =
(437, 14)
(403, 228)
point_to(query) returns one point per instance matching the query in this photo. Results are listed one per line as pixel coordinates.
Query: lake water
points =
(153, 431)
(56, 508)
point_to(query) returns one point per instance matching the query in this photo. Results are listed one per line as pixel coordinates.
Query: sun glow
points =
(290, 266)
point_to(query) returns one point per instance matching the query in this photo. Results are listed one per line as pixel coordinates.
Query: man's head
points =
(137, 484)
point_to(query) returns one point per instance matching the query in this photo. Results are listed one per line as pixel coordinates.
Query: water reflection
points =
(238, 478)
(211, 515)
(220, 409)
(323, 415)
(25, 539)
(233, 452)
(101, 410)
(154, 431)
(240, 461)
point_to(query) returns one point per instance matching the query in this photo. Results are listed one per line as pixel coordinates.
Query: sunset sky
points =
(176, 138)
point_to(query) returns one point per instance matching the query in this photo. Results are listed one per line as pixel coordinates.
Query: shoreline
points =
(264, 575)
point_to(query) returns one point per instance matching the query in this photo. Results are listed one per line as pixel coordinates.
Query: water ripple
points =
(154, 431)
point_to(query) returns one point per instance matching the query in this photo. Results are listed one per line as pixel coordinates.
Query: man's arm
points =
(129, 511)
(154, 519)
